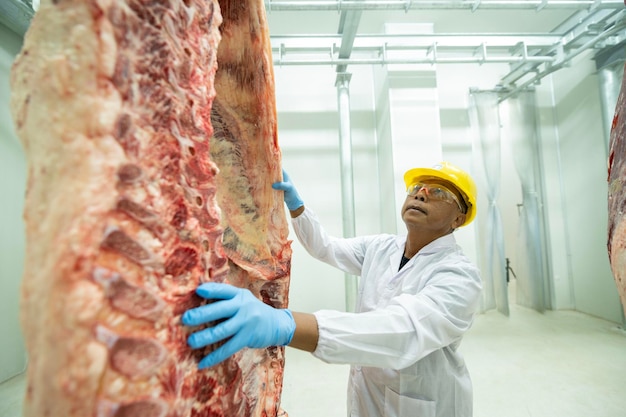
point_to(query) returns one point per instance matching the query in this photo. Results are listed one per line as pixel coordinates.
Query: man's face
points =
(433, 205)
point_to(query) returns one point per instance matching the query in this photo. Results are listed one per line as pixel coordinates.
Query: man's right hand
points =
(292, 198)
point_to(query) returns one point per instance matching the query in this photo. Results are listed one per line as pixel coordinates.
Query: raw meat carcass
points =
(617, 195)
(126, 212)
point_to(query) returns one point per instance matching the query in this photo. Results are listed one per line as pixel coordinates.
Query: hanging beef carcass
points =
(126, 211)
(617, 195)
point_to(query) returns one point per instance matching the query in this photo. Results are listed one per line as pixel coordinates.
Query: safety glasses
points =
(436, 192)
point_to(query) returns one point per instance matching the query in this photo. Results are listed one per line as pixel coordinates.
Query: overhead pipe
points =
(347, 180)
(18, 14)
(456, 39)
(575, 29)
(406, 5)
(511, 44)
(347, 28)
(565, 59)
(279, 61)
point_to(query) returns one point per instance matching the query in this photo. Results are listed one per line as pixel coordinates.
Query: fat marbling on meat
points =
(617, 195)
(126, 212)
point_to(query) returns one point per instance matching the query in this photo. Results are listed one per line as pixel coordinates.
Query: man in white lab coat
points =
(417, 297)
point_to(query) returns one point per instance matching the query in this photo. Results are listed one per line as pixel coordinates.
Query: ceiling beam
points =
(598, 24)
(348, 26)
(17, 14)
(471, 5)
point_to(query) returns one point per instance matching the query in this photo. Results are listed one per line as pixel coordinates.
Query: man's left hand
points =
(248, 322)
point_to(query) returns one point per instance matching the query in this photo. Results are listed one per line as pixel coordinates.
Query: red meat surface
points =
(617, 195)
(149, 128)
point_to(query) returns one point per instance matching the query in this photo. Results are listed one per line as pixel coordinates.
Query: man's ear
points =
(459, 220)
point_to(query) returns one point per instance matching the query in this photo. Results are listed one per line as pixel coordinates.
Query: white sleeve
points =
(408, 329)
(344, 254)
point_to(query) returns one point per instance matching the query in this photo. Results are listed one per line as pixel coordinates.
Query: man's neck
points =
(415, 243)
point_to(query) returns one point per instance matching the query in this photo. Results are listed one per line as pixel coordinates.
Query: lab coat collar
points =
(436, 245)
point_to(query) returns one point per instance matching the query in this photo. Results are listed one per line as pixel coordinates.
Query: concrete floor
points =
(556, 364)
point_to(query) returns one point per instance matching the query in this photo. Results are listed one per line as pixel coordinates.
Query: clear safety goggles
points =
(436, 192)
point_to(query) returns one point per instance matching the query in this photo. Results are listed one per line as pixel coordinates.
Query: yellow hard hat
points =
(452, 174)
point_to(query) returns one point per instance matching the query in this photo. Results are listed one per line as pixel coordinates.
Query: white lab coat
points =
(402, 342)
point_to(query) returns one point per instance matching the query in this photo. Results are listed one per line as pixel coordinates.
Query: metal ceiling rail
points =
(473, 5)
(416, 49)
(564, 60)
(348, 27)
(581, 29)
(417, 60)
(595, 24)
(431, 49)
(531, 56)
(418, 40)
(16, 14)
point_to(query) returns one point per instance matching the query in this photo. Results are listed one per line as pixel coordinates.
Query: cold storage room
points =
(521, 95)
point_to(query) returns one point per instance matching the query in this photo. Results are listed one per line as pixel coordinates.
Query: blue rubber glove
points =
(292, 199)
(248, 322)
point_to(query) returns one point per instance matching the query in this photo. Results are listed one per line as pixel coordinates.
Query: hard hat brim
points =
(417, 174)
